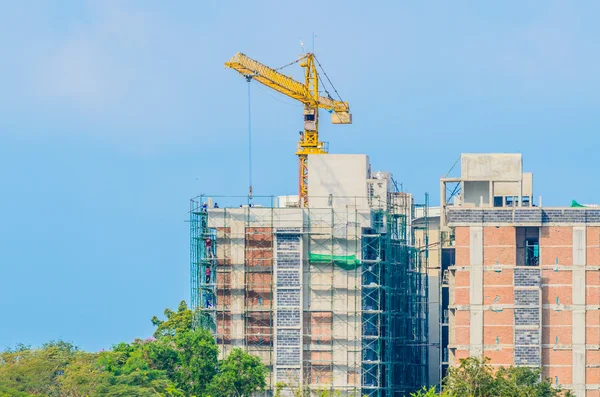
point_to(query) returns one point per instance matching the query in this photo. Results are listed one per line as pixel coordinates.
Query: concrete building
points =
(333, 296)
(520, 282)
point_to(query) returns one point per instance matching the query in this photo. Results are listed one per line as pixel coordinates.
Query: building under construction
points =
(331, 296)
(520, 281)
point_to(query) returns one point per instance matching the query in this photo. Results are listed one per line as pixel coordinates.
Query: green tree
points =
(197, 361)
(34, 371)
(189, 356)
(239, 375)
(474, 377)
(8, 392)
(126, 371)
(82, 376)
(425, 392)
(163, 355)
(176, 322)
(179, 362)
(523, 382)
(329, 393)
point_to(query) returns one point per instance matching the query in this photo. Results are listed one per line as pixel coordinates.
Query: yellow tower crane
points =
(308, 94)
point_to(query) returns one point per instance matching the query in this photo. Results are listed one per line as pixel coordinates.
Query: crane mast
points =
(308, 94)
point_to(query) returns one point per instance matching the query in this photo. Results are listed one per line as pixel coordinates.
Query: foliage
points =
(83, 376)
(8, 392)
(239, 375)
(299, 391)
(425, 392)
(474, 377)
(329, 393)
(177, 322)
(182, 361)
(33, 371)
(197, 361)
(524, 382)
(178, 362)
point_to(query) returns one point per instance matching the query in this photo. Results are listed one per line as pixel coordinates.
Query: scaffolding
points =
(329, 298)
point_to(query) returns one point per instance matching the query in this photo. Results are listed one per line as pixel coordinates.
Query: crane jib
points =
(308, 94)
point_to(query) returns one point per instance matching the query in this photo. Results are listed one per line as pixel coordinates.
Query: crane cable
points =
(291, 63)
(319, 77)
(249, 80)
(323, 84)
(267, 93)
(330, 83)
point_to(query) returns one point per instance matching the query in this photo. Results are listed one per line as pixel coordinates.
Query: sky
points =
(114, 114)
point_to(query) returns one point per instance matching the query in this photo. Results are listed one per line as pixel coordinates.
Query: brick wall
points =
(459, 295)
(499, 245)
(288, 333)
(462, 249)
(532, 320)
(526, 297)
(556, 249)
(288, 347)
(318, 327)
(528, 327)
(224, 327)
(511, 299)
(288, 297)
(288, 278)
(556, 245)
(288, 318)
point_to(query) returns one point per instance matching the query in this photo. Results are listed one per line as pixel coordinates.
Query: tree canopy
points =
(178, 361)
(474, 377)
(176, 322)
(239, 375)
(183, 361)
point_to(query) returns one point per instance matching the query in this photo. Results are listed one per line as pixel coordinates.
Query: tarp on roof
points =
(575, 204)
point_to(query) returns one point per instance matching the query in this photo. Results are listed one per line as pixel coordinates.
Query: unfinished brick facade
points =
(524, 289)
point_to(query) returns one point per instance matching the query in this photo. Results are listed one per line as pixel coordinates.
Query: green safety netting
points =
(575, 204)
(347, 262)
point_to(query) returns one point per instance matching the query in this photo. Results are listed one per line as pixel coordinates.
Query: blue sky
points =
(113, 114)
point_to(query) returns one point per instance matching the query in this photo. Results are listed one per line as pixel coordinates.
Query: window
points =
(532, 252)
(512, 201)
(498, 201)
(525, 201)
(528, 246)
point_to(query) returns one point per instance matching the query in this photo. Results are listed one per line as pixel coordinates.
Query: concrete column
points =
(579, 263)
(434, 326)
(238, 229)
(442, 203)
(476, 291)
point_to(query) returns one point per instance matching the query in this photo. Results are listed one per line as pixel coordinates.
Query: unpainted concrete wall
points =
(478, 167)
(343, 176)
(474, 191)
